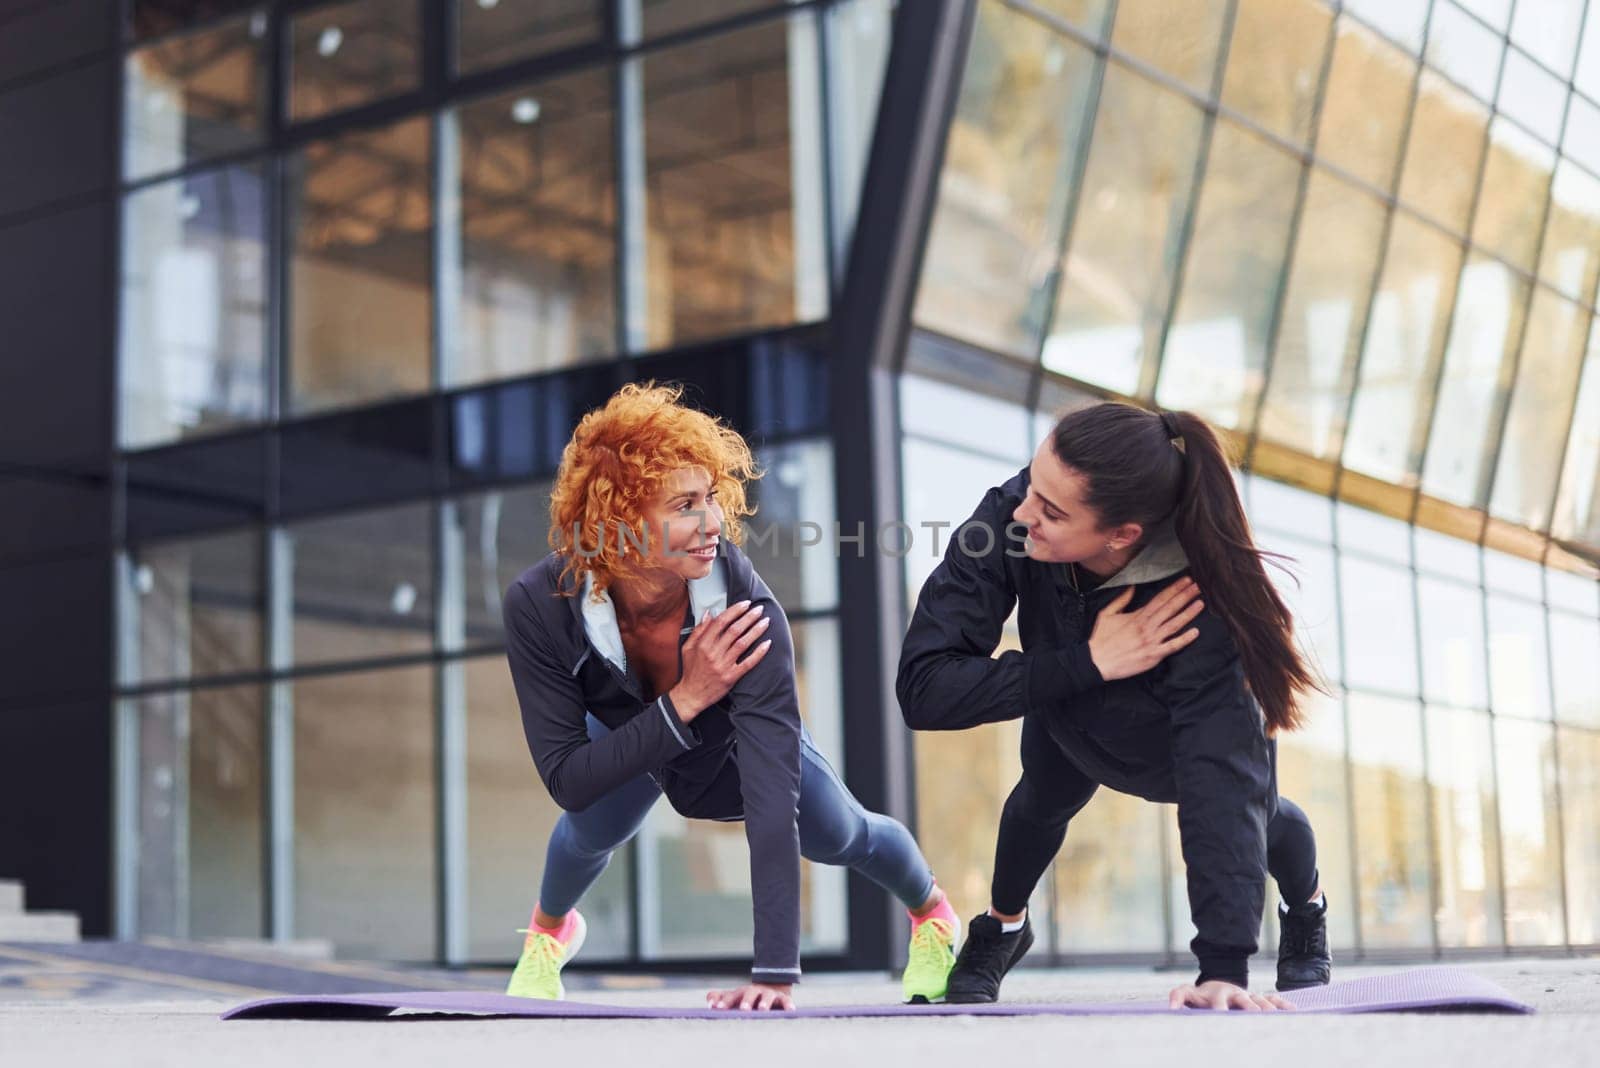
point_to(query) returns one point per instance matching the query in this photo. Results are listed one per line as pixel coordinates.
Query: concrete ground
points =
(60, 1009)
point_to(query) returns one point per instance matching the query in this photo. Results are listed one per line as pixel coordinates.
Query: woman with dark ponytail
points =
(1157, 659)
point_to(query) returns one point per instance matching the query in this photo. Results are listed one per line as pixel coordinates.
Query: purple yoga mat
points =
(1414, 991)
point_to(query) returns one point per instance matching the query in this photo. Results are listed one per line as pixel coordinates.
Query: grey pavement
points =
(60, 1009)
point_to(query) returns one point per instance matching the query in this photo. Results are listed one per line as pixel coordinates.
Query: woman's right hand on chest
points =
(711, 657)
(1124, 644)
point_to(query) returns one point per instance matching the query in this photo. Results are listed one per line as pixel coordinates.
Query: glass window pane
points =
(194, 607)
(1461, 780)
(1380, 644)
(195, 96)
(491, 33)
(192, 348)
(858, 35)
(345, 55)
(1516, 180)
(1529, 832)
(733, 176)
(790, 538)
(1519, 576)
(933, 409)
(364, 838)
(1402, 21)
(1570, 258)
(1216, 347)
(1577, 510)
(824, 911)
(1549, 31)
(1446, 145)
(1280, 506)
(1536, 424)
(1179, 38)
(995, 230)
(532, 283)
(1309, 591)
(1275, 63)
(1087, 15)
(1365, 104)
(1575, 656)
(1402, 347)
(1581, 139)
(1465, 49)
(1496, 13)
(1324, 311)
(1108, 878)
(1446, 555)
(1311, 772)
(1391, 812)
(199, 816)
(1519, 665)
(1372, 534)
(1532, 96)
(363, 585)
(1587, 77)
(1580, 823)
(1117, 278)
(670, 16)
(503, 533)
(1452, 643)
(1572, 591)
(360, 289)
(942, 486)
(509, 820)
(1487, 326)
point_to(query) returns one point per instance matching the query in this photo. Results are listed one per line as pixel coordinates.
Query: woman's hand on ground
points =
(711, 663)
(1216, 994)
(753, 996)
(1124, 644)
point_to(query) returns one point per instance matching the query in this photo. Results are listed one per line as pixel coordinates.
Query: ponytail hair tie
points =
(1169, 421)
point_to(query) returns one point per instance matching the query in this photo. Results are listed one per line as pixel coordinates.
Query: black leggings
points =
(1052, 790)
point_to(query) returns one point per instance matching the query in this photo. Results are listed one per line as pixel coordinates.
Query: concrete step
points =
(39, 927)
(10, 897)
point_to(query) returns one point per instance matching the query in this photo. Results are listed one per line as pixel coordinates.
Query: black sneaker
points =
(985, 957)
(1303, 957)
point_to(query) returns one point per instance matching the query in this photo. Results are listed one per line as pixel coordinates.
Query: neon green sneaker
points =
(932, 955)
(538, 973)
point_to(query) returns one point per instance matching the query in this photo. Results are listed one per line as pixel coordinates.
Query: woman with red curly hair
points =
(649, 658)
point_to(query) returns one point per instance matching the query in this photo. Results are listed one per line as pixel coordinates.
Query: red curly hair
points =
(619, 458)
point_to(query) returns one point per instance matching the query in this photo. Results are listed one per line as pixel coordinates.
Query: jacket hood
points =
(1162, 557)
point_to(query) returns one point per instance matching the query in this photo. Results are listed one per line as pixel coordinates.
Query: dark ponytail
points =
(1145, 468)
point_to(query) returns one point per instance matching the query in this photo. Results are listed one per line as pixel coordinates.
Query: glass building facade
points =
(378, 256)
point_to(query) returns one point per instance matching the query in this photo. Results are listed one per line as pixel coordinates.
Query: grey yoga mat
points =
(1413, 991)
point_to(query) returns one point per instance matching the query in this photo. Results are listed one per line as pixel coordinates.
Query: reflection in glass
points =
(1217, 345)
(1570, 257)
(1453, 650)
(1464, 49)
(1519, 665)
(344, 55)
(1580, 823)
(1179, 39)
(360, 293)
(1324, 311)
(199, 813)
(364, 821)
(1391, 813)
(1577, 508)
(363, 585)
(1365, 104)
(733, 176)
(790, 538)
(193, 608)
(531, 284)
(509, 820)
(1487, 326)
(1447, 138)
(1516, 179)
(1117, 277)
(192, 350)
(992, 243)
(1461, 779)
(194, 96)
(1541, 404)
(1275, 63)
(1380, 646)
(1529, 832)
(502, 534)
(1409, 316)
(1576, 681)
(490, 33)
(1108, 878)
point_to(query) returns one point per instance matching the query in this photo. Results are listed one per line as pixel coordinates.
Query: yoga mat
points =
(1413, 991)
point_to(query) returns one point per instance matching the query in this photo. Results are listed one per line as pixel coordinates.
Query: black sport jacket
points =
(1187, 731)
(739, 759)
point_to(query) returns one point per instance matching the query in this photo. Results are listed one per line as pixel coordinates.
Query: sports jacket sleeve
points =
(1223, 766)
(949, 678)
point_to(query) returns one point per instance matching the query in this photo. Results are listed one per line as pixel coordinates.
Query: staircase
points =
(17, 925)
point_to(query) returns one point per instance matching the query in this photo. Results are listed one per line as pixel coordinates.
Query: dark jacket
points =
(739, 759)
(1187, 731)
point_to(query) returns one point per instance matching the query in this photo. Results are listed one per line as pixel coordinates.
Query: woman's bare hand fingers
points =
(756, 630)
